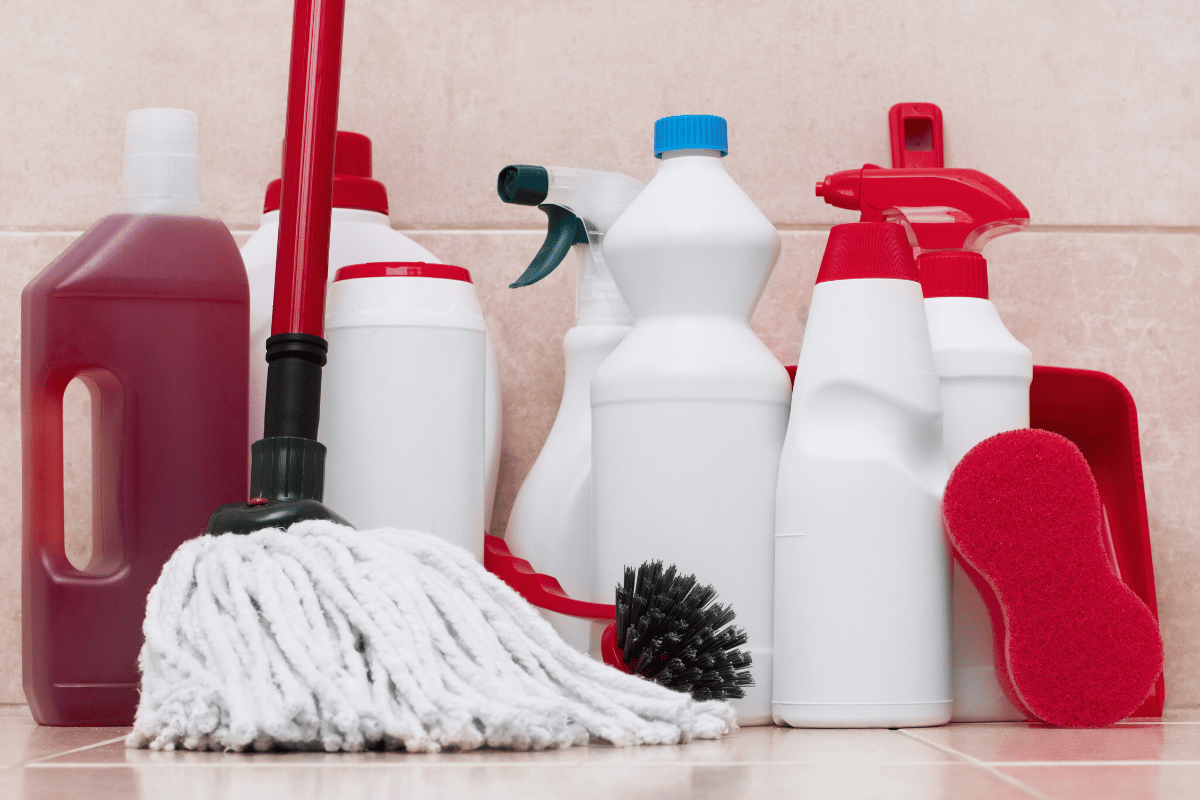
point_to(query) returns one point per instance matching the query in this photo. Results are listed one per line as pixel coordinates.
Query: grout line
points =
(37, 761)
(1010, 780)
(1145, 763)
(1185, 230)
(398, 759)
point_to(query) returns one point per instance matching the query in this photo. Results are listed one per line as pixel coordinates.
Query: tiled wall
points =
(1085, 110)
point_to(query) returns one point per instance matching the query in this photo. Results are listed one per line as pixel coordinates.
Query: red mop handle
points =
(302, 264)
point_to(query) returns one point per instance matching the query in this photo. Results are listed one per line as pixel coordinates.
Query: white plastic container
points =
(985, 375)
(402, 400)
(689, 411)
(551, 520)
(359, 233)
(862, 577)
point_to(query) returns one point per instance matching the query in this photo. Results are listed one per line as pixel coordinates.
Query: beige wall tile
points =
(1088, 116)
(1127, 305)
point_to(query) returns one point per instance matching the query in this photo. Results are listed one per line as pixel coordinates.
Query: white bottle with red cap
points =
(985, 377)
(359, 232)
(402, 400)
(862, 576)
(689, 411)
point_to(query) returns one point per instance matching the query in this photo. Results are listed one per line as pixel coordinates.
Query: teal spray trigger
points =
(580, 205)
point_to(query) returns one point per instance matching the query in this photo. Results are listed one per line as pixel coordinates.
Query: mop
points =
(285, 628)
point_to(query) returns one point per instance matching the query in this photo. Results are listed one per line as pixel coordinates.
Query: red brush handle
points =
(302, 263)
(541, 590)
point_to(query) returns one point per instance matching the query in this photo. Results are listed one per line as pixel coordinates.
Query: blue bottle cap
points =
(690, 132)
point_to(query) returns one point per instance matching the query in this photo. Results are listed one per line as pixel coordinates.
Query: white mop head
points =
(323, 637)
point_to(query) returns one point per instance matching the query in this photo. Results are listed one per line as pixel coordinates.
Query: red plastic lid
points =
(353, 186)
(403, 269)
(867, 250)
(953, 273)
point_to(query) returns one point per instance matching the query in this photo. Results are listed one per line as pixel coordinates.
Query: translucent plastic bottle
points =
(150, 308)
(862, 576)
(551, 520)
(359, 232)
(689, 411)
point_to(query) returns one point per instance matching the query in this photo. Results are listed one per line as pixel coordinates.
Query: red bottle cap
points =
(953, 273)
(867, 250)
(353, 186)
(402, 269)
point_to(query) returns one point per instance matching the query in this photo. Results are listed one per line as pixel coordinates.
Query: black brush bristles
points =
(670, 631)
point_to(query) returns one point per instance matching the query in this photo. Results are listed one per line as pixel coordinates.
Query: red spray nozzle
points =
(943, 209)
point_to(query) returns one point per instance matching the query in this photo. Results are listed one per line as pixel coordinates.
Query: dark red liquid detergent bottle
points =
(150, 309)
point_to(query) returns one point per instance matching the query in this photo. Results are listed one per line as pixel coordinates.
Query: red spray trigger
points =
(943, 209)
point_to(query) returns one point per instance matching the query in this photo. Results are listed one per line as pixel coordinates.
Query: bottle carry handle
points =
(45, 478)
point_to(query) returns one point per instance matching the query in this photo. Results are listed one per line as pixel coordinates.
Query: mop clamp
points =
(942, 209)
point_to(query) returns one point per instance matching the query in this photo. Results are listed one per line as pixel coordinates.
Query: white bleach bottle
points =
(689, 411)
(359, 232)
(402, 400)
(551, 521)
(862, 576)
(984, 371)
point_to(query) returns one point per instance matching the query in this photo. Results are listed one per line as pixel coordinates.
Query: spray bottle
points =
(984, 371)
(689, 411)
(551, 520)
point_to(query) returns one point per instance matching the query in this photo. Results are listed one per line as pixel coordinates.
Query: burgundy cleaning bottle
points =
(150, 309)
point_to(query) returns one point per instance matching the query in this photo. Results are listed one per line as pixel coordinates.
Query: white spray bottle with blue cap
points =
(551, 520)
(690, 410)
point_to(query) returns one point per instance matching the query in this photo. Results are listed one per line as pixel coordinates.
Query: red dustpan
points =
(1097, 413)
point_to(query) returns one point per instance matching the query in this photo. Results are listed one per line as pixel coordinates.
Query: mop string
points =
(322, 636)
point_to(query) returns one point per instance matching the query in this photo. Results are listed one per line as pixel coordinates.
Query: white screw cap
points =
(162, 153)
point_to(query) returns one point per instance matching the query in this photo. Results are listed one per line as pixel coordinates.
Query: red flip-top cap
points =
(402, 269)
(353, 186)
(953, 273)
(867, 250)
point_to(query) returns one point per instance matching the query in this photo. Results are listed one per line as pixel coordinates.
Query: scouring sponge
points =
(1074, 645)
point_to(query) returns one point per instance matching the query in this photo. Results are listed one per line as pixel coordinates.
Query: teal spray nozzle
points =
(580, 206)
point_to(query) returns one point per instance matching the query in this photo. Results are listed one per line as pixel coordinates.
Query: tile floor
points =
(1136, 760)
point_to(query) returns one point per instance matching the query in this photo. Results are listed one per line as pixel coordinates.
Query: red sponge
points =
(1074, 645)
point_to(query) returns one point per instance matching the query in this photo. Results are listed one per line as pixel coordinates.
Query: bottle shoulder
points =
(149, 256)
(694, 198)
(970, 338)
(691, 358)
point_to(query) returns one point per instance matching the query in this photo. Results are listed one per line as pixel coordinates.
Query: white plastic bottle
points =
(359, 233)
(402, 400)
(551, 521)
(862, 579)
(689, 411)
(985, 376)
